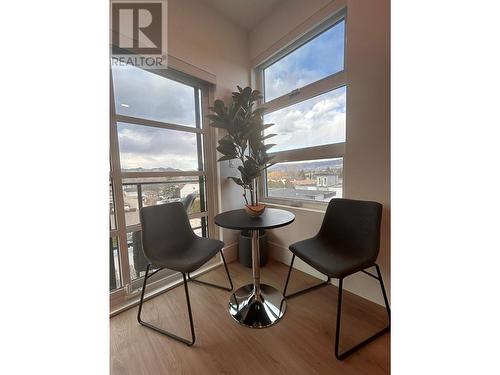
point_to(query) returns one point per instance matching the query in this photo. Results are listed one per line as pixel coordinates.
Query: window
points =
(305, 92)
(114, 267)
(142, 94)
(313, 180)
(145, 148)
(157, 156)
(318, 58)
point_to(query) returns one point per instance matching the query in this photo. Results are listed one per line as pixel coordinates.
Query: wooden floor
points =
(301, 343)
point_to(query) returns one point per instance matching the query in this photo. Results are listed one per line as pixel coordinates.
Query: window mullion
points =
(322, 86)
(118, 192)
(157, 124)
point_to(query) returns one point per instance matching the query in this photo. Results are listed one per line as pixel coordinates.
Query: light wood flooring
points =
(301, 343)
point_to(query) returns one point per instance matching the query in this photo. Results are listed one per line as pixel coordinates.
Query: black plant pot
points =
(245, 248)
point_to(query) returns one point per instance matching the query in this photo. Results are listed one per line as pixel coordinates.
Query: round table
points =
(256, 305)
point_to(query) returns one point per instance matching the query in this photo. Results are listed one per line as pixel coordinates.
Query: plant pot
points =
(245, 248)
(255, 211)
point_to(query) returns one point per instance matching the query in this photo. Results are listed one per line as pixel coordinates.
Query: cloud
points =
(316, 121)
(147, 147)
(148, 95)
(316, 59)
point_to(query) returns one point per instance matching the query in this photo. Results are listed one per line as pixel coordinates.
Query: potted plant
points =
(244, 141)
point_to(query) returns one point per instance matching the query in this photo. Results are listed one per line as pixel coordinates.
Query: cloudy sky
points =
(319, 58)
(147, 147)
(139, 93)
(317, 121)
(313, 122)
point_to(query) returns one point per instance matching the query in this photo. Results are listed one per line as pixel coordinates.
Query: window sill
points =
(297, 208)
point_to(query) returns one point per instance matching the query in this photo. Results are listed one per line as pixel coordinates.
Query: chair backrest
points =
(188, 200)
(353, 226)
(165, 230)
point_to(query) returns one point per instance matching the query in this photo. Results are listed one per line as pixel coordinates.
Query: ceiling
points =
(245, 13)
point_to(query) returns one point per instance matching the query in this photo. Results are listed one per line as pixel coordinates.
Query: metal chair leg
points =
(214, 285)
(171, 335)
(369, 339)
(325, 283)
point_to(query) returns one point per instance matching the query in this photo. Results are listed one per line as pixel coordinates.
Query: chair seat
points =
(191, 257)
(329, 260)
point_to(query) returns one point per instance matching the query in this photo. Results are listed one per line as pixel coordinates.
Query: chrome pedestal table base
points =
(257, 310)
(256, 305)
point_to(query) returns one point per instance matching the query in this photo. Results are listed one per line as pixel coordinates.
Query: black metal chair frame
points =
(185, 282)
(343, 355)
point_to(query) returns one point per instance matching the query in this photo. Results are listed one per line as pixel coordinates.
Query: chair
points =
(188, 201)
(347, 242)
(169, 242)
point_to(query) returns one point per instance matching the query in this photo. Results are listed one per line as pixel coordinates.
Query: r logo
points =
(137, 27)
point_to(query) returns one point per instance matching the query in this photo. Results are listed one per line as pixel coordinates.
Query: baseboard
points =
(231, 252)
(359, 284)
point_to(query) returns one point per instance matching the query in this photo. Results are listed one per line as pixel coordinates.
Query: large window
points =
(305, 91)
(157, 156)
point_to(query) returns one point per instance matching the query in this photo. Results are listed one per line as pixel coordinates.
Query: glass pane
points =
(317, 59)
(131, 204)
(160, 190)
(114, 264)
(139, 93)
(312, 180)
(137, 260)
(313, 122)
(112, 214)
(145, 148)
(199, 226)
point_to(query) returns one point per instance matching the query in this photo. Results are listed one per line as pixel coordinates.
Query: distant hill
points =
(307, 165)
(161, 169)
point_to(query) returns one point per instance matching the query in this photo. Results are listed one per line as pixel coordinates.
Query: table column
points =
(256, 263)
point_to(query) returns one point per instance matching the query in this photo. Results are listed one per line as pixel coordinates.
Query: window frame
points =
(298, 95)
(128, 291)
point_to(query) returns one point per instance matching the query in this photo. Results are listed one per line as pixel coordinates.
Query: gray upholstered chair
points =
(188, 200)
(169, 242)
(347, 242)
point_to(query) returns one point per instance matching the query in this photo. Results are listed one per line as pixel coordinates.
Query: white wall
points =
(367, 157)
(198, 35)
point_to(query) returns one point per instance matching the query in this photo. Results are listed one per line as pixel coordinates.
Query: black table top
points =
(239, 219)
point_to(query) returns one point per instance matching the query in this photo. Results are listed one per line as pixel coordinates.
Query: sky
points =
(148, 147)
(319, 58)
(317, 121)
(142, 94)
(313, 122)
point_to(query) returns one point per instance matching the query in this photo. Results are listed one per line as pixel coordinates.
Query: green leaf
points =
(227, 157)
(251, 167)
(256, 95)
(217, 122)
(269, 136)
(268, 146)
(219, 107)
(227, 150)
(259, 111)
(237, 180)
